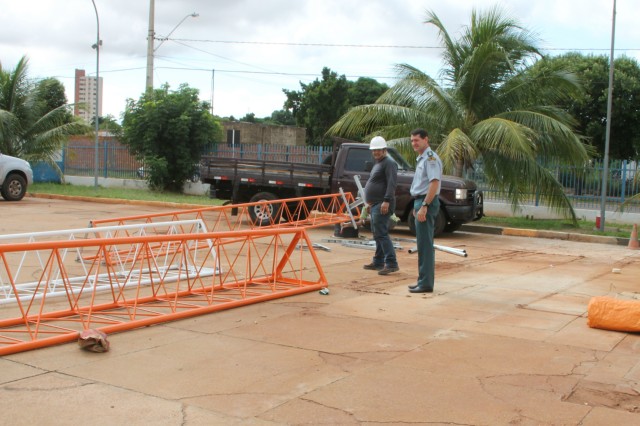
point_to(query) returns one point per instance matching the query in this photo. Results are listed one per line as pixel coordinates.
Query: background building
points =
(240, 132)
(85, 96)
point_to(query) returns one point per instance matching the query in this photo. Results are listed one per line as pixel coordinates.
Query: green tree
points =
(282, 117)
(365, 91)
(491, 106)
(168, 130)
(50, 95)
(109, 124)
(590, 109)
(250, 117)
(319, 104)
(35, 120)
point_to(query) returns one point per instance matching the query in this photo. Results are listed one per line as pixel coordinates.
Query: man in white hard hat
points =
(379, 192)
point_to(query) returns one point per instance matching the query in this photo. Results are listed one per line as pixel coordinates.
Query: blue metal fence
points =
(582, 186)
(114, 160)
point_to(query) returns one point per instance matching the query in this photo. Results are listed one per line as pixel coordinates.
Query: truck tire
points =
(265, 214)
(411, 221)
(295, 214)
(14, 188)
(441, 222)
(452, 227)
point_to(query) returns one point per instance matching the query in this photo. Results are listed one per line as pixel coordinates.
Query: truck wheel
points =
(14, 188)
(300, 214)
(452, 227)
(411, 221)
(264, 214)
(441, 221)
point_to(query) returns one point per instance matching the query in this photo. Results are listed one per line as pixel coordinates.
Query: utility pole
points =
(96, 156)
(213, 76)
(605, 170)
(150, 39)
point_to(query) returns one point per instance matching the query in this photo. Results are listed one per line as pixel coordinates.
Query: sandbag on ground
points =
(608, 313)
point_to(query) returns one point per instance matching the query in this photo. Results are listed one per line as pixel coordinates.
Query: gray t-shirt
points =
(381, 185)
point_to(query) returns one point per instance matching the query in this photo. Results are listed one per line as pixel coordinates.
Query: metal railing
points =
(583, 186)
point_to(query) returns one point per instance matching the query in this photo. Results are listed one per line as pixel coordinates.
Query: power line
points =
(289, 74)
(366, 46)
(275, 43)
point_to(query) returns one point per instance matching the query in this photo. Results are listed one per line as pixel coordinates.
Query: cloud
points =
(250, 76)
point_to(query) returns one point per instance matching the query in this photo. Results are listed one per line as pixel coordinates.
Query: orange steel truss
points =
(251, 266)
(123, 281)
(302, 212)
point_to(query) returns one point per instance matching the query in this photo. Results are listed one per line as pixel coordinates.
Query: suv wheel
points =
(14, 188)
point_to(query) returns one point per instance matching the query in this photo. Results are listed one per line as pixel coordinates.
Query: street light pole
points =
(96, 118)
(150, 38)
(605, 170)
(165, 38)
(150, 41)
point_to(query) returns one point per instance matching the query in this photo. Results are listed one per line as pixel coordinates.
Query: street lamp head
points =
(165, 38)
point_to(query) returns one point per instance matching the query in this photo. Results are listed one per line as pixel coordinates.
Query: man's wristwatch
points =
(424, 203)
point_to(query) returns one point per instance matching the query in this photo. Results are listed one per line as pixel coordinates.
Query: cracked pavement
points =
(503, 340)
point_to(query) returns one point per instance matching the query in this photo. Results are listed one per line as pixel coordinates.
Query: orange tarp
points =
(608, 313)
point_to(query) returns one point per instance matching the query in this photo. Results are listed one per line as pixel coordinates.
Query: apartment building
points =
(85, 96)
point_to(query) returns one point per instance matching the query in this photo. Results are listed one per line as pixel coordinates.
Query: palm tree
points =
(29, 128)
(492, 105)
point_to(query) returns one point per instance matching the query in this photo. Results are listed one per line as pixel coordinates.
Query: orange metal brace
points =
(256, 265)
(306, 212)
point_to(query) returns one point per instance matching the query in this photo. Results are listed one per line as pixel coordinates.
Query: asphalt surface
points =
(503, 340)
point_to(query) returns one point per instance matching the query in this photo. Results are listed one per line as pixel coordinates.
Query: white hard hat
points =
(378, 142)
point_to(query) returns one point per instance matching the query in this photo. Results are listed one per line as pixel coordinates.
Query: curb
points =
(534, 233)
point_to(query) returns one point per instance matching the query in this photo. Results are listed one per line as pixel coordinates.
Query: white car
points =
(15, 176)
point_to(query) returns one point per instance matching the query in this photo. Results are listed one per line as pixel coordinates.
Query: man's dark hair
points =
(420, 132)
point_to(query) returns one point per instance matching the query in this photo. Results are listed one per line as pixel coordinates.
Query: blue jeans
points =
(385, 253)
(424, 237)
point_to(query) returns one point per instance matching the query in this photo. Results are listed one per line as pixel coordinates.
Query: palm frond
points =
(457, 150)
(555, 139)
(516, 179)
(364, 119)
(25, 130)
(511, 139)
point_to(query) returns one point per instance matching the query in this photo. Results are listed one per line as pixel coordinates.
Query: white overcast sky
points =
(259, 47)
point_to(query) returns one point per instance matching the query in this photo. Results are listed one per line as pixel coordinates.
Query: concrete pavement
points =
(503, 340)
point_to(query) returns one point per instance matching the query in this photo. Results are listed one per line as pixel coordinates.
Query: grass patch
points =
(121, 193)
(559, 225)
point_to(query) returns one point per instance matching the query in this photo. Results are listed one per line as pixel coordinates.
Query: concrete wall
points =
(255, 133)
(190, 188)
